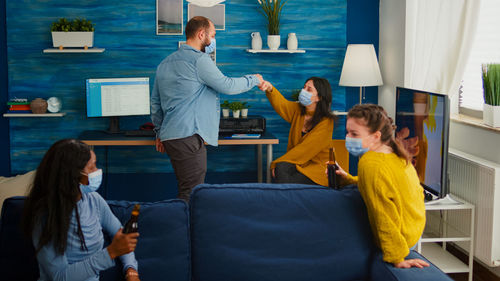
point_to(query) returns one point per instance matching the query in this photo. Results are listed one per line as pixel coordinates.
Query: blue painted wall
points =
(4, 122)
(127, 31)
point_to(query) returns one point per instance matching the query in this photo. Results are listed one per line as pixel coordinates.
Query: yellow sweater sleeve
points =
(316, 140)
(379, 196)
(282, 106)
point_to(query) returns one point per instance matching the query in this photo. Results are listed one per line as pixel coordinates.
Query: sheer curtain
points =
(439, 36)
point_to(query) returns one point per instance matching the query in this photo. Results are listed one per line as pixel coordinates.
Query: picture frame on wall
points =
(169, 17)
(217, 14)
(212, 55)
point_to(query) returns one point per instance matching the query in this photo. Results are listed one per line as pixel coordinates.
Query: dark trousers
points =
(189, 160)
(287, 173)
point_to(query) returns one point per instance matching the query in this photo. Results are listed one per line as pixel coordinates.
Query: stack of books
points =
(18, 106)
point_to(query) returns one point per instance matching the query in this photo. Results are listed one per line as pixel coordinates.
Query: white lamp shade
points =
(360, 67)
(205, 3)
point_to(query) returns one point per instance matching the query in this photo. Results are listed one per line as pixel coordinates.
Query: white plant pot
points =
(72, 39)
(491, 115)
(236, 113)
(273, 41)
(292, 42)
(225, 112)
(244, 112)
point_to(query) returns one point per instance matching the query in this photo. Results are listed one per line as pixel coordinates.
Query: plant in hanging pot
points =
(75, 33)
(491, 92)
(244, 110)
(271, 9)
(225, 108)
(236, 107)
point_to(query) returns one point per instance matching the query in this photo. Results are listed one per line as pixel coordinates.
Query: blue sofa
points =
(238, 232)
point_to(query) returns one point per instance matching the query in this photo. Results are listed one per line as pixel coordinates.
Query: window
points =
(485, 49)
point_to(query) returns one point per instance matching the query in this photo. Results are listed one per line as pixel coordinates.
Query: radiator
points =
(477, 181)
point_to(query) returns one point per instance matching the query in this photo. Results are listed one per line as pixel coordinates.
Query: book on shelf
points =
(18, 111)
(15, 107)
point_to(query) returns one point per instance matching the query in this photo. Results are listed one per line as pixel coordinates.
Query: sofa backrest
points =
(279, 232)
(163, 250)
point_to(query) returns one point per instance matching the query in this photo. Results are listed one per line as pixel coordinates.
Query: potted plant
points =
(271, 9)
(491, 87)
(244, 110)
(75, 33)
(236, 107)
(225, 108)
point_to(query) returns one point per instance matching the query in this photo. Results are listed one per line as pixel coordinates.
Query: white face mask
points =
(211, 47)
(95, 179)
(305, 97)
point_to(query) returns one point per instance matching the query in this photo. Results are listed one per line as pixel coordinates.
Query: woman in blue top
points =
(66, 218)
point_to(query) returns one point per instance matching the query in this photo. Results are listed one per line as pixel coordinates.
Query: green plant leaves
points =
(491, 84)
(271, 9)
(75, 25)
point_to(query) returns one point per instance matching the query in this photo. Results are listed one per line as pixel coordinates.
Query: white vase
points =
(292, 42)
(225, 112)
(491, 115)
(256, 41)
(73, 39)
(236, 113)
(273, 41)
(244, 112)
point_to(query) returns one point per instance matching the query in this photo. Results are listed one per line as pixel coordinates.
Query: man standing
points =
(185, 106)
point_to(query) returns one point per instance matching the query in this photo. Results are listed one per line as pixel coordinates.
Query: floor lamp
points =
(360, 68)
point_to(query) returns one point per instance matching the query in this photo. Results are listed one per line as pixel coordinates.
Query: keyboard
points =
(140, 133)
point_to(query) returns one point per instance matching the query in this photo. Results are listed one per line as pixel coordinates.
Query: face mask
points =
(95, 179)
(210, 48)
(305, 97)
(355, 146)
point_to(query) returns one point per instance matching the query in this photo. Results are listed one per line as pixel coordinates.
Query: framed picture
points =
(217, 14)
(169, 17)
(212, 55)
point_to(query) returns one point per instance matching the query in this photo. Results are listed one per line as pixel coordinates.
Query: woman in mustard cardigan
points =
(310, 134)
(388, 183)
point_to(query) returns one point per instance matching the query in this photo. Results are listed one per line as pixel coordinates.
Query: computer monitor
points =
(114, 97)
(423, 120)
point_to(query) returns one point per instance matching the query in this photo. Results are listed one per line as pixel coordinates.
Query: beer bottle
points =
(132, 225)
(333, 180)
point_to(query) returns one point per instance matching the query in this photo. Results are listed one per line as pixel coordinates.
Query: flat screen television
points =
(114, 97)
(422, 124)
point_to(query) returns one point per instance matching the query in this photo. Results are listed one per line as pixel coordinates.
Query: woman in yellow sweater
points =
(387, 182)
(310, 133)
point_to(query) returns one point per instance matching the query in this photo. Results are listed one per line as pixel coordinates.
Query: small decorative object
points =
(244, 110)
(271, 9)
(236, 107)
(75, 33)
(256, 41)
(292, 42)
(54, 105)
(225, 109)
(491, 87)
(38, 106)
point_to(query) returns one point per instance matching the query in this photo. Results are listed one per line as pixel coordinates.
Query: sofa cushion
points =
(279, 232)
(15, 186)
(17, 255)
(163, 249)
(382, 271)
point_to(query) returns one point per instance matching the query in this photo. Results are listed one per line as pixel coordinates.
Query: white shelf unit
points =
(437, 254)
(61, 114)
(286, 51)
(70, 50)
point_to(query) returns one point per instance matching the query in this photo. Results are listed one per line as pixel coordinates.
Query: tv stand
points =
(447, 200)
(114, 125)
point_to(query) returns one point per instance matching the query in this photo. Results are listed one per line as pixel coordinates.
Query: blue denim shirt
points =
(185, 98)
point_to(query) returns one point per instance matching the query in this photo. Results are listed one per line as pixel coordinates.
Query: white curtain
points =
(439, 36)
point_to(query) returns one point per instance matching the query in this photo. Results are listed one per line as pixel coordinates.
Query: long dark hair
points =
(54, 194)
(376, 119)
(323, 106)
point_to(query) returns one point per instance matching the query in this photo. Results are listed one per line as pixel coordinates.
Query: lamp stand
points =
(360, 95)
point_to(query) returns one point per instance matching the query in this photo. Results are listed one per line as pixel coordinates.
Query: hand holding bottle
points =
(122, 244)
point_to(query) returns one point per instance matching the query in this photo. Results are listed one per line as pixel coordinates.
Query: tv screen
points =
(118, 97)
(422, 125)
